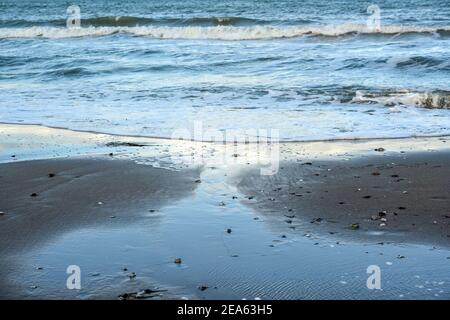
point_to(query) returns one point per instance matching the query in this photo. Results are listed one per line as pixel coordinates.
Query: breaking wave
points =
(429, 100)
(221, 32)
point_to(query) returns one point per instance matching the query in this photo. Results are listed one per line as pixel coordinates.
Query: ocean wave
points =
(195, 21)
(429, 100)
(420, 61)
(132, 21)
(259, 32)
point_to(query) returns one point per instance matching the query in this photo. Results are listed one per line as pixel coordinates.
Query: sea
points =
(311, 69)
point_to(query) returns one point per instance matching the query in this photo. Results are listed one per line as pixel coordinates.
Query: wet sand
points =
(307, 232)
(44, 199)
(402, 197)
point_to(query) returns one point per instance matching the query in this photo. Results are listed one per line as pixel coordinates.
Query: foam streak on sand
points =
(215, 33)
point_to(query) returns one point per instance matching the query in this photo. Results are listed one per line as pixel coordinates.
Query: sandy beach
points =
(396, 198)
(124, 212)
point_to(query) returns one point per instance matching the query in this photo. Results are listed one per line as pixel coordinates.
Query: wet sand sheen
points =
(382, 198)
(44, 199)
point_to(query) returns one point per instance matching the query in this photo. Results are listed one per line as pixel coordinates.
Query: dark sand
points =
(382, 198)
(43, 199)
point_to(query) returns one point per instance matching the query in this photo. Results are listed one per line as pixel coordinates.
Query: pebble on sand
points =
(354, 226)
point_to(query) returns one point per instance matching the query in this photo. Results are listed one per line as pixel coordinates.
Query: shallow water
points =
(311, 69)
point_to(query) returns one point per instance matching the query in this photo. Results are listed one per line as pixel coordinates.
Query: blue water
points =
(312, 69)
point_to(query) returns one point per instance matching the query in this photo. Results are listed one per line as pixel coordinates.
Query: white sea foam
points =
(431, 100)
(217, 33)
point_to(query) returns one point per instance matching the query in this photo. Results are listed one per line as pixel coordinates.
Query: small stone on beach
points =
(354, 226)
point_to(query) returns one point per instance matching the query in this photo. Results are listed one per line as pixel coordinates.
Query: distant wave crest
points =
(258, 32)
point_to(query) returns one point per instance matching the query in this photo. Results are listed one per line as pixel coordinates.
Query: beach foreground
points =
(140, 225)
